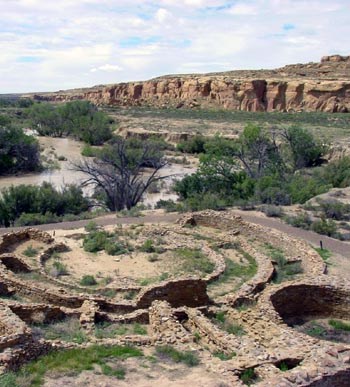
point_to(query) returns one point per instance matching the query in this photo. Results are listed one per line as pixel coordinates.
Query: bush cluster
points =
(79, 119)
(98, 240)
(29, 205)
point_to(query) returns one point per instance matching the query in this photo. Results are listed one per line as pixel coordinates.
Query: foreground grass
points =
(193, 260)
(339, 325)
(324, 253)
(187, 357)
(72, 361)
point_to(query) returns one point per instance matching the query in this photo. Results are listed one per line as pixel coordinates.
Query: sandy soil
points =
(143, 373)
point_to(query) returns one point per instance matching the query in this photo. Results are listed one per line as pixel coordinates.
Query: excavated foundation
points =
(255, 330)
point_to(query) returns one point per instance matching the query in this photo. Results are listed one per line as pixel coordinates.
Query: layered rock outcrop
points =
(323, 86)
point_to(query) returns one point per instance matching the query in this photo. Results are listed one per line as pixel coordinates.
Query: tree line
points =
(262, 166)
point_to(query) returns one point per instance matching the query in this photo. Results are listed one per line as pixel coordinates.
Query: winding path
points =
(334, 245)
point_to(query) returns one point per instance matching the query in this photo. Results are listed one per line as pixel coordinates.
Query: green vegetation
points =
(255, 167)
(193, 260)
(223, 356)
(67, 330)
(324, 253)
(152, 280)
(98, 240)
(309, 119)
(248, 376)
(316, 330)
(339, 325)
(8, 380)
(149, 247)
(232, 328)
(109, 330)
(58, 269)
(79, 119)
(233, 269)
(88, 280)
(192, 145)
(187, 357)
(283, 269)
(19, 152)
(24, 205)
(30, 251)
(73, 361)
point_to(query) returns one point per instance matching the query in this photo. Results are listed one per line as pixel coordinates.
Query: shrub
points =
(95, 241)
(58, 269)
(167, 205)
(248, 376)
(116, 248)
(192, 145)
(301, 221)
(325, 227)
(333, 209)
(88, 280)
(91, 226)
(148, 247)
(272, 211)
(30, 251)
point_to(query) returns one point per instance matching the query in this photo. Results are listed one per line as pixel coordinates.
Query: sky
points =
(49, 45)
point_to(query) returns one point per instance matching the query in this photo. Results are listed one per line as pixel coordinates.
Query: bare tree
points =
(119, 172)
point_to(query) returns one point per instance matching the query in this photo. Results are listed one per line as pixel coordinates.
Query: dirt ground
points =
(144, 372)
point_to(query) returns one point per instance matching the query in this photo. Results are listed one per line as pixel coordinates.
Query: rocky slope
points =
(323, 86)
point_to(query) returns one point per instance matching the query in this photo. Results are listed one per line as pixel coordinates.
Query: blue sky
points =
(52, 45)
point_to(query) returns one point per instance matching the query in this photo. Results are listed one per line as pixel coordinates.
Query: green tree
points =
(258, 152)
(18, 152)
(305, 150)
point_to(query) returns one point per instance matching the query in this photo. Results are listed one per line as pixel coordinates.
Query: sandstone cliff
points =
(323, 86)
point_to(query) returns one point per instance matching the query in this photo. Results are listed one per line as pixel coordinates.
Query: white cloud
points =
(50, 45)
(162, 15)
(107, 67)
(242, 9)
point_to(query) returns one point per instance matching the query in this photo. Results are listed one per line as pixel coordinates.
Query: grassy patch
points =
(187, 357)
(66, 330)
(193, 260)
(339, 325)
(77, 360)
(108, 330)
(316, 330)
(223, 356)
(230, 327)
(283, 269)
(30, 251)
(8, 380)
(248, 376)
(233, 269)
(88, 280)
(324, 253)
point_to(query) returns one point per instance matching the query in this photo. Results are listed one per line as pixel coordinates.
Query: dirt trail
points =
(334, 245)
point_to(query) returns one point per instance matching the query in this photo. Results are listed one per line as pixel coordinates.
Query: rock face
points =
(323, 86)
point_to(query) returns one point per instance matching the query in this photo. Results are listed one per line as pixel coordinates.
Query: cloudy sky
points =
(48, 45)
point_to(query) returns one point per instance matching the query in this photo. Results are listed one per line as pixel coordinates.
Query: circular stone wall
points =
(297, 303)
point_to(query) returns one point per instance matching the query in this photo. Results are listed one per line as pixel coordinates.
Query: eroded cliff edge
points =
(323, 86)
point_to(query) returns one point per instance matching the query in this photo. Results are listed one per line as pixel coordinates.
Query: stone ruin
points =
(178, 310)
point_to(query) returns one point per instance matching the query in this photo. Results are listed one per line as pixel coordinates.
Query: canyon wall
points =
(323, 86)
